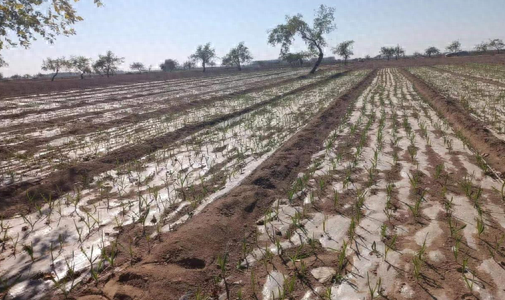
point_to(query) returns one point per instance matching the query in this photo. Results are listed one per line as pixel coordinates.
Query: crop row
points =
(49, 157)
(491, 72)
(162, 189)
(484, 101)
(396, 205)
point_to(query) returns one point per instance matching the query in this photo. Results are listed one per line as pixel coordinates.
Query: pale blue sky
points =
(150, 31)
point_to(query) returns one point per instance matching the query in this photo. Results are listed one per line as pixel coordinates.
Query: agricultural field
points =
(369, 183)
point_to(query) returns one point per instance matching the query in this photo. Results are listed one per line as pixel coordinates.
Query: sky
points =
(150, 31)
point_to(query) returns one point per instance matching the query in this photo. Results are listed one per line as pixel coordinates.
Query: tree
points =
(387, 52)
(80, 64)
(22, 20)
(55, 65)
(138, 66)
(496, 44)
(169, 65)
(398, 51)
(313, 37)
(482, 47)
(237, 56)
(344, 49)
(205, 54)
(432, 51)
(107, 63)
(454, 47)
(189, 64)
(417, 54)
(297, 57)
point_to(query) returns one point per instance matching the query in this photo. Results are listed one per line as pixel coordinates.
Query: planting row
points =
(159, 191)
(37, 162)
(485, 101)
(396, 205)
(491, 72)
(92, 104)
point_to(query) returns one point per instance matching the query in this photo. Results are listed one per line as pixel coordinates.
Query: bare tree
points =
(387, 52)
(344, 49)
(496, 44)
(138, 66)
(55, 65)
(284, 34)
(189, 64)
(108, 63)
(398, 52)
(237, 56)
(169, 65)
(432, 51)
(205, 54)
(80, 64)
(482, 47)
(454, 47)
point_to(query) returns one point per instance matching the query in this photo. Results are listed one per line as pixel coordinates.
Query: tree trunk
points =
(203, 65)
(319, 60)
(82, 75)
(239, 67)
(55, 74)
(345, 60)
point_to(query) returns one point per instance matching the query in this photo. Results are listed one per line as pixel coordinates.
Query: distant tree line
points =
(105, 65)
(24, 18)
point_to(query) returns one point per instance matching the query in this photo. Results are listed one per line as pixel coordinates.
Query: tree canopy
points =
(205, 54)
(482, 47)
(237, 56)
(169, 65)
(55, 65)
(387, 52)
(496, 44)
(431, 51)
(189, 64)
(398, 52)
(107, 63)
(138, 66)
(344, 49)
(80, 64)
(21, 21)
(284, 34)
(454, 47)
